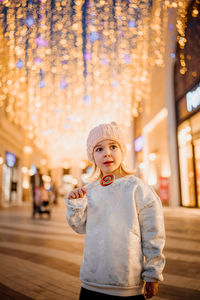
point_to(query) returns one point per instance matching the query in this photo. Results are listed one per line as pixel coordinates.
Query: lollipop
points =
(107, 180)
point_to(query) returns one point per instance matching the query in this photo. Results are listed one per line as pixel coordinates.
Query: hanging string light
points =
(181, 25)
(69, 65)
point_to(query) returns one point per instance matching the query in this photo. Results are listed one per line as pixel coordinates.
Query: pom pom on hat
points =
(105, 132)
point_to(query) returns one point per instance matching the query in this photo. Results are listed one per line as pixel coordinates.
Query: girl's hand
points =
(77, 193)
(151, 289)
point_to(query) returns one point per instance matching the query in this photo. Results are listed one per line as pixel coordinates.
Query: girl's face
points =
(108, 157)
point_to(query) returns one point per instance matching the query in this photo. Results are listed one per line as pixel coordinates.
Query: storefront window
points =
(195, 124)
(186, 165)
(189, 158)
(7, 175)
(10, 180)
(197, 166)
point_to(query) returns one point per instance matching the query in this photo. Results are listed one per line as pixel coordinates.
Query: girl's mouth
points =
(108, 162)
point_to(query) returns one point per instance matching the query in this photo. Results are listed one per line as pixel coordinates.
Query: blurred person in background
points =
(41, 201)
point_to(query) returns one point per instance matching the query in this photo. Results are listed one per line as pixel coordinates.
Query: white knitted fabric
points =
(105, 132)
(124, 224)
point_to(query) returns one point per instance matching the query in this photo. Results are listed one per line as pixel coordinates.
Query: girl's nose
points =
(107, 154)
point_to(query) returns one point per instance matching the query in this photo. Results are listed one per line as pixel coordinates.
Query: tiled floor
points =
(40, 259)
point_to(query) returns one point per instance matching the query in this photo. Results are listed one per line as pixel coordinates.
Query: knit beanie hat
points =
(105, 132)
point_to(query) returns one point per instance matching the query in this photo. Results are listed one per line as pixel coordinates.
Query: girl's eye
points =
(113, 146)
(98, 149)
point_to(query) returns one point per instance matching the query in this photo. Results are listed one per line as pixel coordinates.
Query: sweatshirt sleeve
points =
(77, 214)
(152, 228)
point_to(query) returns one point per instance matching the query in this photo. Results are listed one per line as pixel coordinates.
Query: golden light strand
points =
(69, 66)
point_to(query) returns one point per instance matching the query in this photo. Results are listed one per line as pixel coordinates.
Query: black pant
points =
(91, 295)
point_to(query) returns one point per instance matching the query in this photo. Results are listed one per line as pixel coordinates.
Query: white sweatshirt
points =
(124, 239)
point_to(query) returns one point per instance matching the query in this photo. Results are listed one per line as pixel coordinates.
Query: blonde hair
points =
(98, 174)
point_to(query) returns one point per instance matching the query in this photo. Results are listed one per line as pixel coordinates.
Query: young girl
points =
(123, 223)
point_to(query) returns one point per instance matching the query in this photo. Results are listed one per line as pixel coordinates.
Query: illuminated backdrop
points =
(69, 65)
(187, 67)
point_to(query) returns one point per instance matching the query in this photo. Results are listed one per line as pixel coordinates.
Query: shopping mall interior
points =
(67, 67)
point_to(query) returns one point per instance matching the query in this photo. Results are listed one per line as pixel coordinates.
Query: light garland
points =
(70, 65)
(181, 25)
